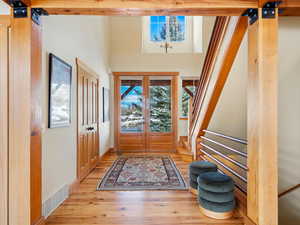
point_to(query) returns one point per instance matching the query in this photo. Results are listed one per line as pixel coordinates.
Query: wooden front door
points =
(88, 120)
(145, 112)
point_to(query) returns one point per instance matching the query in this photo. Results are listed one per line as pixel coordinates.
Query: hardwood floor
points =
(88, 206)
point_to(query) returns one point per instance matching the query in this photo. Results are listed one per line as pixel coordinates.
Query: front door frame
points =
(146, 75)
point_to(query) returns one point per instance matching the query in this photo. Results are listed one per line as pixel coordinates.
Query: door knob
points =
(90, 128)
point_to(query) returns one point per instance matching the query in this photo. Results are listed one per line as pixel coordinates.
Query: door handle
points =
(90, 128)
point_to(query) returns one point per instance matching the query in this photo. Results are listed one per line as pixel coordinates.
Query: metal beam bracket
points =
(36, 13)
(20, 8)
(269, 9)
(268, 12)
(252, 14)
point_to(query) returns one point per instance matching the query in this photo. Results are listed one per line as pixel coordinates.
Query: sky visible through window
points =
(167, 28)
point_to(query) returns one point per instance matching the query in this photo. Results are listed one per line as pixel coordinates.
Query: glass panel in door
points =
(160, 106)
(131, 106)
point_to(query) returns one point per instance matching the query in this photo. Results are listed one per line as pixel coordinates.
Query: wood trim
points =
(109, 151)
(183, 118)
(36, 124)
(289, 190)
(262, 121)
(174, 85)
(86, 68)
(145, 73)
(41, 221)
(19, 121)
(4, 102)
(146, 109)
(117, 113)
(74, 186)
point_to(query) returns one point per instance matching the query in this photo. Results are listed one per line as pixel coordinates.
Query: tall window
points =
(167, 28)
(188, 91)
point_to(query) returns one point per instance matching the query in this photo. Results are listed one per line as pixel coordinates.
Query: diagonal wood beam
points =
(235, 34)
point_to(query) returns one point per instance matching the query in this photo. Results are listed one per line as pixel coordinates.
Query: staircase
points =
(184, 149)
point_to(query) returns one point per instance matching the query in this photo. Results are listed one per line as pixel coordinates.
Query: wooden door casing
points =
(146, 141)
(88, 120)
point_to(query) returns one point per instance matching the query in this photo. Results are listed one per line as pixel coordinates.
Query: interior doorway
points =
(146, 112)
(88, 120)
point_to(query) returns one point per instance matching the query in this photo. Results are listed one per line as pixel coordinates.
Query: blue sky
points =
(157, 23)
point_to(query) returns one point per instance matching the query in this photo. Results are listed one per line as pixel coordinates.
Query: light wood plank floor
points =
(88, 206)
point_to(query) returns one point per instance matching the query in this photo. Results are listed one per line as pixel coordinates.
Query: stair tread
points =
(184, 151)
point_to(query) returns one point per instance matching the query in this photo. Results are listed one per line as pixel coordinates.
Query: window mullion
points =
(168, 40)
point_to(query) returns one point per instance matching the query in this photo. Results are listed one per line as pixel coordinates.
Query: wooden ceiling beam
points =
(145, 7)
(290, 8)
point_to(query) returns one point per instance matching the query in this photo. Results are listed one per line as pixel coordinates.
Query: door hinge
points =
(268, 12)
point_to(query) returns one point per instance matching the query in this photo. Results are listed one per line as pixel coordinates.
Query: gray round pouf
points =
(193, 185)
(215, 196)
(217, 207)
(198, 167)
(215, 182)
(193, 177)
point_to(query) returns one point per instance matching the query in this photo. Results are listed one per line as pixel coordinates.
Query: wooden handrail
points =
(289, 190)
(214, 44)
(241, 141)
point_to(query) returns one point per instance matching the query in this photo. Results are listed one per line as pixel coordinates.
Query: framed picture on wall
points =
(105, 94)
(60, 78)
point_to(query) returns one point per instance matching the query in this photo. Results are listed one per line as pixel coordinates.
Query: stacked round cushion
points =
(199, 167)
(216, 192)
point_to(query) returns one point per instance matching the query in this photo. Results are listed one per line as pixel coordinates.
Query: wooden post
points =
(262, 200)
(25, 122)
(4, 32)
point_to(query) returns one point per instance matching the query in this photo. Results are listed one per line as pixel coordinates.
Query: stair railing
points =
(229, 159)
(212, 52)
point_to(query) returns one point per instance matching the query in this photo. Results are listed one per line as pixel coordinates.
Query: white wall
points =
(230, 116)
(126, 54)
(126, 50)
(68, 37)
(289, 119)
(4, 8)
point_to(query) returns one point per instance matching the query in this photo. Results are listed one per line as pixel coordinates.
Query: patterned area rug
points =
(143, 173)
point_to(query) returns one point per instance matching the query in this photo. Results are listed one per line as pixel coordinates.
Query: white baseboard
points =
(55, 200)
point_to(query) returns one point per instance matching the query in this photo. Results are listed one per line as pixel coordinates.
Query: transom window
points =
(167, 28)
(172, 34)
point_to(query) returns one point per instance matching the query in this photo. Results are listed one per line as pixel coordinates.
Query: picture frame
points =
(60, 92)
(105, 102)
